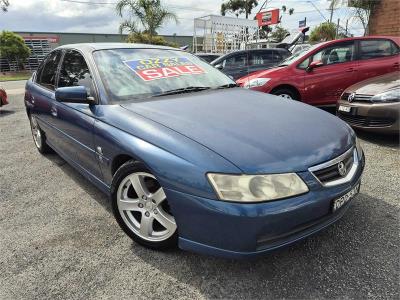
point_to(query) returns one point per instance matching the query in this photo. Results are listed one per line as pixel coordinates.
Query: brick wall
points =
(386, 19)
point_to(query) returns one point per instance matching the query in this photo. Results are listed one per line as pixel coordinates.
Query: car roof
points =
(370, 37)
(106, 46)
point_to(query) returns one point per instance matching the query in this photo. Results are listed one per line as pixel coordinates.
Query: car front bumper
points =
(374, 117)
(235, 230)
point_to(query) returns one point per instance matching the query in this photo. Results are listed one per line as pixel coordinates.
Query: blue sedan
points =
(186, 156)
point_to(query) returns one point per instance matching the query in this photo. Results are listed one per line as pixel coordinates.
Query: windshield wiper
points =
(227, 86)
(183, 90)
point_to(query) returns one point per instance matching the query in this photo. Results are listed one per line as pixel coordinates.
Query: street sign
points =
(268, 17)
(302, 23)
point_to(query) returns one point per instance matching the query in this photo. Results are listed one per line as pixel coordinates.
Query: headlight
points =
(256, 82)
(389, 96)
(256, 188)
(359, 149)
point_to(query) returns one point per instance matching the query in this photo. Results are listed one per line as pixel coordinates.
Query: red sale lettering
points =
(159, 68)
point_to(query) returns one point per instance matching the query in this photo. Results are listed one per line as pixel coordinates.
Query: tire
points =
(39, 137)
(286, 93)
(141, 209)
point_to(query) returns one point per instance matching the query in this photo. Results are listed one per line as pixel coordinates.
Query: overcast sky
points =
(63, 16)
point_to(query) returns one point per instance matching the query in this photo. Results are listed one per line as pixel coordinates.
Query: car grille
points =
(357, 98)
(331, 173)
(366, 121)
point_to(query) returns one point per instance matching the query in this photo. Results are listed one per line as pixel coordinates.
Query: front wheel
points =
(141, 207)
(285, 93)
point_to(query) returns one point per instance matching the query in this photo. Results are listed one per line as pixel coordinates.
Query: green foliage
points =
(363, 10)
(238, 7)
(290, 10)
(144, 16)
(12, 47)
(145, 38)
(323, 32)
(4, 5)
(279, 33)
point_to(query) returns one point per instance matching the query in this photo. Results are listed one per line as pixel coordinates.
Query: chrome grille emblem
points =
(351, 97)
(342, 169)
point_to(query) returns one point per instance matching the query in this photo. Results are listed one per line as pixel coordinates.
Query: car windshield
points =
(297, 55)
(130, 74)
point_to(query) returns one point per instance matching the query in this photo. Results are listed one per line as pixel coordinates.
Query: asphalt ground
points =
(59, 240)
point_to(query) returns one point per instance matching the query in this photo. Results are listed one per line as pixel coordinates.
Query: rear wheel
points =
(286, 93)
(141, 207)
(38, 136)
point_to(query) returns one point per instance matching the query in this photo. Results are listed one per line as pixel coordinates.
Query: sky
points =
(99, 16)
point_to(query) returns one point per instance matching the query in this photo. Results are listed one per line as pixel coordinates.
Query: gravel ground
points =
(59, 239)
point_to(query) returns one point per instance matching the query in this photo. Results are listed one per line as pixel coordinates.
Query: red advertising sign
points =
(268, 17)
(163, 67)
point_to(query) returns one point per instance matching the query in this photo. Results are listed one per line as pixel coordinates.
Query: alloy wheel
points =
(143, 207)
(286, 96)
(37, 136)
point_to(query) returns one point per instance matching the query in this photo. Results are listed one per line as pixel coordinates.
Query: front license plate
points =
(344, 108)
(338, 203)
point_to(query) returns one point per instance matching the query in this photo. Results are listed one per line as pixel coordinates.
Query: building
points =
(385, 20)
(41, 43)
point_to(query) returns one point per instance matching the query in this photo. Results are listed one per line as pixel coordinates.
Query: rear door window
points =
(235, 61)
(48, 73)
(259, 58)
(377, 48)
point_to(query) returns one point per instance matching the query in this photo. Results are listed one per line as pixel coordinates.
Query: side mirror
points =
(219, 66)
(73, 94)
(313, 65)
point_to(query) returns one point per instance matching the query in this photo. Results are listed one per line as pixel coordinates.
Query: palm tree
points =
(145, 16)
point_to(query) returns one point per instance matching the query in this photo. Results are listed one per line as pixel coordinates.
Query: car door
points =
(236, 65)
(41, 96)
(76, 120)
(377, 57)
(324, 84)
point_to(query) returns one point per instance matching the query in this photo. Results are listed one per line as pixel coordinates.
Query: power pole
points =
(337, 28)
(347, 26)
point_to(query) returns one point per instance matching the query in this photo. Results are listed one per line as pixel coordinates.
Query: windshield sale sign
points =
(163, 67)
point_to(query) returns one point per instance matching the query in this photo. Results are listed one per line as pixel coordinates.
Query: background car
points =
(149, 126)
(208, 57)
(373, 104)
(321, 74)
(3, 97)
(240, 63)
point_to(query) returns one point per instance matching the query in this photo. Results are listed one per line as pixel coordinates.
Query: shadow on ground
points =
(345, 260)
(4, 112)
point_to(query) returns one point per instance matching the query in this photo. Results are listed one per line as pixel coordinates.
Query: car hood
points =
(257, 132)
(376, 85)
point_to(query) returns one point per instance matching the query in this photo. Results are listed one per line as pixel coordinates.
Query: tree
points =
(279, 33)
(4, 5)
(290, 10)
(13, 48)
(238, 7)
(363, 10)
(145, 16)
(323, 32)
(145, 38)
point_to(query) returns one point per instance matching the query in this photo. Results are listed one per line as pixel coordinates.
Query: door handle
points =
(350, 70)
(396, 65)
(54, 111)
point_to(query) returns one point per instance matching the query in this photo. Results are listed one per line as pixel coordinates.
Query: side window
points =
(75, 72)
(260, 58)
(377, 48)
(276, 56)
(335, 54)
(236, 61)
(47, 73)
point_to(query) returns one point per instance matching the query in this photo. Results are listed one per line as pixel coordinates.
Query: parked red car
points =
(319, 75)
(3, 97)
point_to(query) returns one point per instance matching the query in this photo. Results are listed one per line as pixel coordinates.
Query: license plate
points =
(344, 108)
(338, 203)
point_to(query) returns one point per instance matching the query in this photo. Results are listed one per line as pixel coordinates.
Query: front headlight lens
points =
(256, 82)
(389, 96)
(256, 188)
